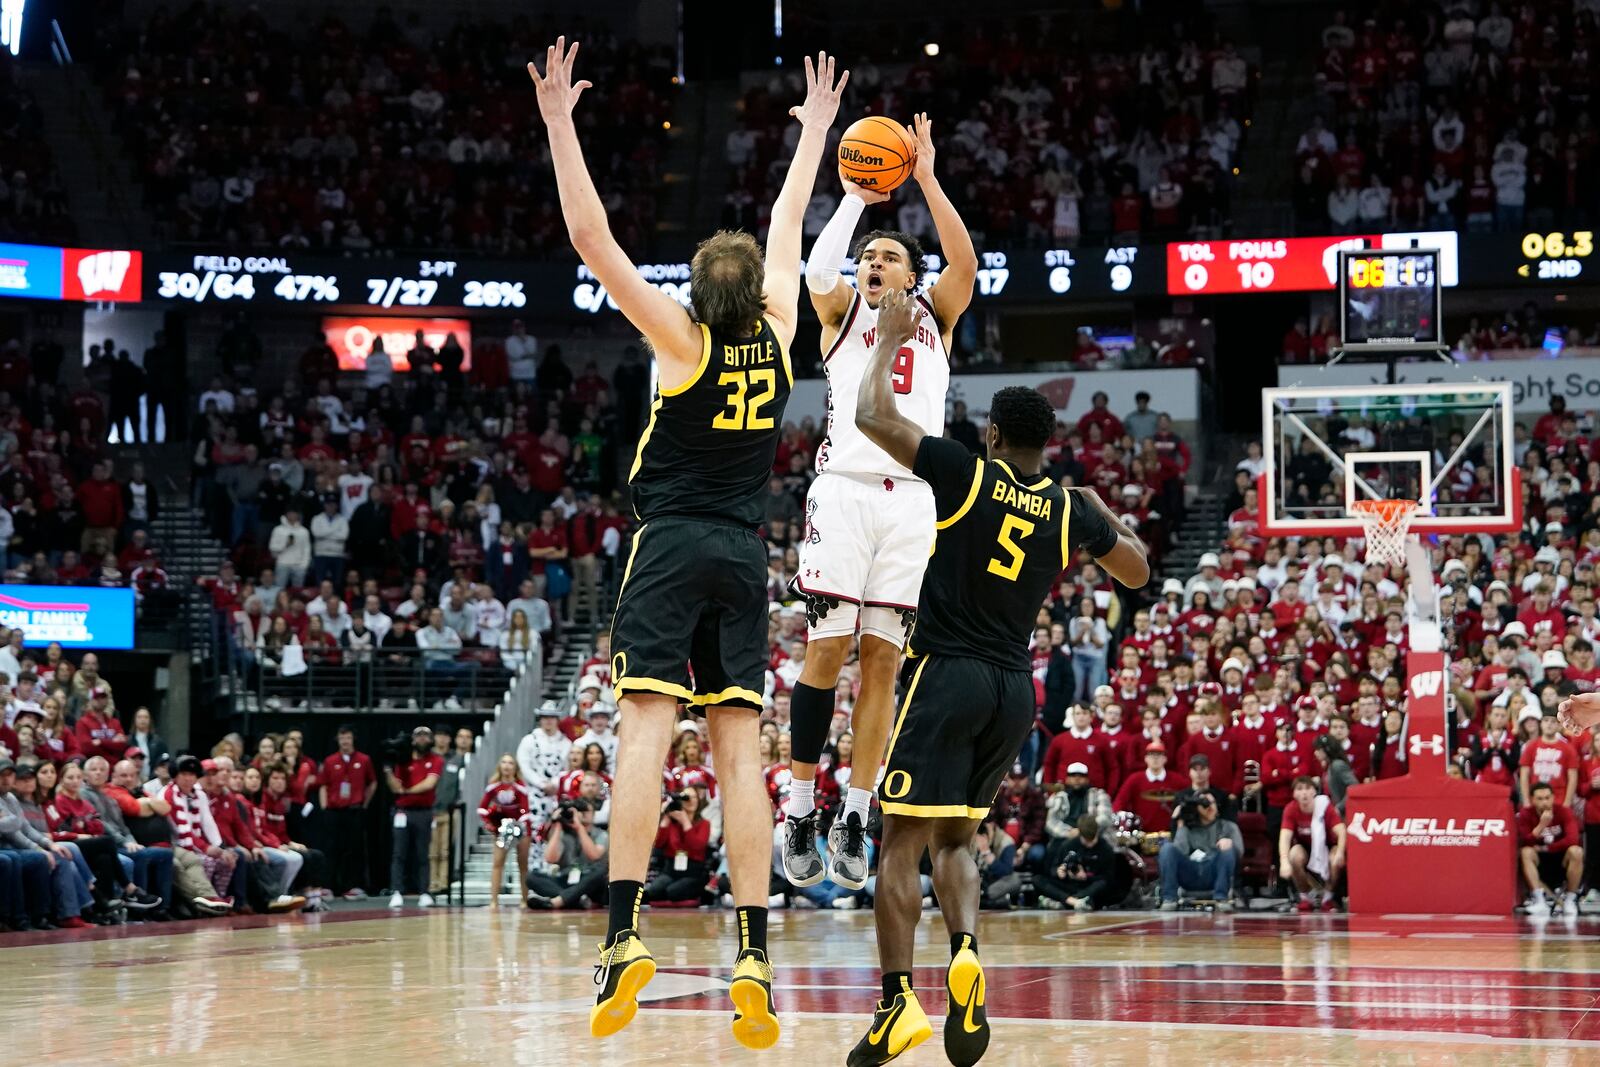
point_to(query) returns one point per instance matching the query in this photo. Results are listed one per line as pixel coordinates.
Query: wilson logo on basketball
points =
(854, 155)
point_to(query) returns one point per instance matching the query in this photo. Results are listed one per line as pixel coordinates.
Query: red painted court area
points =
(1398, 976)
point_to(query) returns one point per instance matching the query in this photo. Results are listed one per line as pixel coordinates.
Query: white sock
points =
(856, 802)
(802, 798)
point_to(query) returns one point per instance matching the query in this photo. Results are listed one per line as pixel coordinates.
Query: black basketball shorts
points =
(693, 598)
(960, 727)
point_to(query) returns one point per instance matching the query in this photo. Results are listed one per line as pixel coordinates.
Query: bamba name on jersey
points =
(1012, 497)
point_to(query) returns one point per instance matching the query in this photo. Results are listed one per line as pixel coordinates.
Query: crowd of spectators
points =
(1451, 115)
(327, 137)
(33, 202)
(1525, 330)
(1253, 694)
(1050, 139)
(102, 824)
(555, 788)
(419, 519)
(71, 512)
(1264, 685)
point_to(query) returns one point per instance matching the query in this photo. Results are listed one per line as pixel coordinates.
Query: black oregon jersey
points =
(1003, 540)
(708, 449)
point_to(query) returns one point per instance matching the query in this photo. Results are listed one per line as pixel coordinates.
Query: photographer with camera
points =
(1203, 853)
(507, 812)
(1082, 872)
(682, 850)
(575, 850)
(412, 780)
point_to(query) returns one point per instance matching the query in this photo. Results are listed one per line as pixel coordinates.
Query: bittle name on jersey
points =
(1012, 497)
(925, 336)
(751, 355)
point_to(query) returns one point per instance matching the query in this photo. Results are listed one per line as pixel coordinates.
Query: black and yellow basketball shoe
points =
(966, 1027)
(898, 1026)
(625, 968)
(755, 1017)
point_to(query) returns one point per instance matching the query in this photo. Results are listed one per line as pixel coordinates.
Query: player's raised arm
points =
(1579, 712)
(662, 320)
(953, 291)
(830, 299)
(788, 211)
(876, 413)
(1126, 560)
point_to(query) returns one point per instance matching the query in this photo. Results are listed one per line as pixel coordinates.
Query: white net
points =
(1386, 524)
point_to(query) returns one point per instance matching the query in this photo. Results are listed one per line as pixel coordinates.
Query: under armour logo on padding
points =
(1434, 744)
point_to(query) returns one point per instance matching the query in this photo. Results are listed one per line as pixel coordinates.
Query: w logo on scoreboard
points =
(103, 272)
(96, 274)
(1427, 683)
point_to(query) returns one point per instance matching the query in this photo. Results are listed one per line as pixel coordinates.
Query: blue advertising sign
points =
(76, 616)
(30, 270)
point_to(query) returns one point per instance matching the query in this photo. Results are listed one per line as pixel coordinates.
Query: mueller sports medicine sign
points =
(1415, 830)
(74, 616)
(1427, 842)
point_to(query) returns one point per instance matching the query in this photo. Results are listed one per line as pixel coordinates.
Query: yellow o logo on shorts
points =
(896, 787)
(619, 667)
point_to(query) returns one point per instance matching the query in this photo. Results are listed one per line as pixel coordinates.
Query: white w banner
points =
(1574, 376)
(1175, 391)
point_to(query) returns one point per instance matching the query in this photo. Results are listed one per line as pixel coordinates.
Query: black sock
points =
(895, 983)
(752, 928)
(810, 715)
(959, 941)
(626, 898)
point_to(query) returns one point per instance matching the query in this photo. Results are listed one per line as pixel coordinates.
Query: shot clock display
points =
(1389, 298)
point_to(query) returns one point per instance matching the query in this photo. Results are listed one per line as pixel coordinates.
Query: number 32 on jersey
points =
(751, 391)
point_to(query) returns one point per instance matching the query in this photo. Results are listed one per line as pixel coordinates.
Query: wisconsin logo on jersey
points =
(920, 376)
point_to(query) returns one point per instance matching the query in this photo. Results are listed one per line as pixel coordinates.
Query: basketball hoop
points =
(1386, 523)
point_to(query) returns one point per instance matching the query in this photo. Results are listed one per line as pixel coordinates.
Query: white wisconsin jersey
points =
(921, 376)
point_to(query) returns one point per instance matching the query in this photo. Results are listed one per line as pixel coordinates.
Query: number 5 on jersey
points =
(1010, 530)
(745, 413)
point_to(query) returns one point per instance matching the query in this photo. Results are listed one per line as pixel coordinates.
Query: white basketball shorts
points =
(867, 543)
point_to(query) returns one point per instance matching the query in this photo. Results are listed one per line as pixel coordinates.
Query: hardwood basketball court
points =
(476, 987)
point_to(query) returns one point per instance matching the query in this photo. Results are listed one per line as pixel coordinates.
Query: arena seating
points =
(331, 137)
(1449, 120)
(1051, 138)
(33, 204)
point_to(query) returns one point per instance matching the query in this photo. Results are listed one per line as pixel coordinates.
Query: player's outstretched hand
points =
(822, 94)
(871, 196)
(921, 131)
(557, 94)
(898, 315)
(1579, 713)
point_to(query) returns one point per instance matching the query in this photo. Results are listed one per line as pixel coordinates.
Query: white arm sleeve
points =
(833, 244)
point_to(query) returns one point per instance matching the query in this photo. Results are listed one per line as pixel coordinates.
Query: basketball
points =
(877, 153)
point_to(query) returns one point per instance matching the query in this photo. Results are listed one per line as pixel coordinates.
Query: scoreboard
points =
(1389, 299)
(1289, 264)
(1041, 277)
